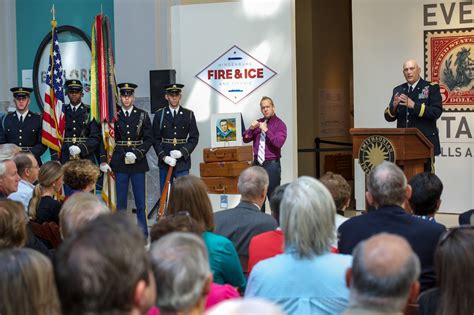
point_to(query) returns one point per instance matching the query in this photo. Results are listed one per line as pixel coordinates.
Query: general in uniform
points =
(175, 135)
(23, 127)
(81, 134)
(133, 139)
(416, 104)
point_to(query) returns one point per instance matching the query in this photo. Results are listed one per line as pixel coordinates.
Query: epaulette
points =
(433, 83)
(86, 106)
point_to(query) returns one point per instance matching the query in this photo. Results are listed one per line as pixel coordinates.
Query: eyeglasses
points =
(451, 231)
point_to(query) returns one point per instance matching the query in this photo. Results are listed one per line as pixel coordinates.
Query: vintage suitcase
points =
(221, 185)
(223, 169)
(242, 153)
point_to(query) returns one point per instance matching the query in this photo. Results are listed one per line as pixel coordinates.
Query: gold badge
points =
(374, 150)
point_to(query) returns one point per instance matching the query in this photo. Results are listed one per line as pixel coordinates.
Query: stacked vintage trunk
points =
(222, 166)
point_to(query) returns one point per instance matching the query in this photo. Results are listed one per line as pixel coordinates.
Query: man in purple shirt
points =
(268, 135)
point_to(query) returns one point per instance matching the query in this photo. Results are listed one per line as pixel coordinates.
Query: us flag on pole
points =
(53, 115)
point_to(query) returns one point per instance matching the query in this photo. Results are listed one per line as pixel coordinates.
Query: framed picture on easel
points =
(226, 130)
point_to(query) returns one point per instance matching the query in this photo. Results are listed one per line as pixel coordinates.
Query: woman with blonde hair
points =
(189, 195)
(43, 206)
(27, 283)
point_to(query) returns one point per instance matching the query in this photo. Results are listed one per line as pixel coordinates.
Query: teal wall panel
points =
(33, 22)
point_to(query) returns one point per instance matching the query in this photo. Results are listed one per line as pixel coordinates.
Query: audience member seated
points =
(27, 283)
(80, 175)
(387, 191)
(247, 306)
(79, 209)
(43, 207)
(466, 218)
(246, 220)
(426, 195)
(454, 263)
(384, 276)
(8, 151)
(12, 225)
(8, 178)
(268, 244)
(104, 268)
(341, 193)
(181, 268)
(27, 168)
(182, 222)
(306, 278)
(189, 193)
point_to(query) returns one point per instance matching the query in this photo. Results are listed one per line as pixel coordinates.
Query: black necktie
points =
(410, 89)
(21, 119)
(126, 114)
(174, 113)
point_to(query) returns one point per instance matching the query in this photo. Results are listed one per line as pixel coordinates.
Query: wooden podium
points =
(412, 148)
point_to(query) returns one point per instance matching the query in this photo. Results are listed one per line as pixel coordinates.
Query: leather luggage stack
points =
(222, 166)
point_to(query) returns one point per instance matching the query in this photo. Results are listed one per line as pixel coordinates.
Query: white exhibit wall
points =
(265, 30)
(385, 34)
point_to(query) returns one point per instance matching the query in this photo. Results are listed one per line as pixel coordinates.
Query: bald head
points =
(386, 254)
(384, 273)
(411, 71)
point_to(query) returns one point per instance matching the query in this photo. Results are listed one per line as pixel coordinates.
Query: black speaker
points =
(158, 80)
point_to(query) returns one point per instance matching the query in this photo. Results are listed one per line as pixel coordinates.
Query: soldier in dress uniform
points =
(133, 139)
(81, 135)
(23, 127)
(175, 135)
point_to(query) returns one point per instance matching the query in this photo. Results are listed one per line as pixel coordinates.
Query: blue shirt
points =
(302, 286)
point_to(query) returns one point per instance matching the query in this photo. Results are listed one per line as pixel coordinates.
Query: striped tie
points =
(261, 148)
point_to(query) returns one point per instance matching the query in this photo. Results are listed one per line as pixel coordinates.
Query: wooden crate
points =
(227, 154)
(222, 169)
(221, 185)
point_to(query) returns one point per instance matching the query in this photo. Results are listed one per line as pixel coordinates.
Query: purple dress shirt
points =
(275, 138)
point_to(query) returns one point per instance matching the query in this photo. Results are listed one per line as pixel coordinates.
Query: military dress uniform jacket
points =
(132, 134)
(428, 108)
(175, 133)
(80, 131)
(26, 135)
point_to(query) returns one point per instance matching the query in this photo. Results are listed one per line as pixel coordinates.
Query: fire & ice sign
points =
(235, 74)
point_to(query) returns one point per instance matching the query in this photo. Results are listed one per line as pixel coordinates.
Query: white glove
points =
(105, 168)
(130, 156)
(74, 150)
(170, 161)
(176, 154)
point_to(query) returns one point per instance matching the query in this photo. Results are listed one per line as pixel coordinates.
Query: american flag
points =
(53, 115)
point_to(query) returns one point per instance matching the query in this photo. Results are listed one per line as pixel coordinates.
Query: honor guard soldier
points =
(81, 135)
(133, 139)
(175, 135)
(23, 127)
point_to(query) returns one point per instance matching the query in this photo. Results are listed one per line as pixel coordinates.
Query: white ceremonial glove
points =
(105, 168)
(131, 156)
(170, 161)
(74, 150)
(176, 154)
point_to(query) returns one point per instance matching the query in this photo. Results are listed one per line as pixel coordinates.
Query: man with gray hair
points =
(388, 191)
(245, 221)
(79, 209)
(181, 267)
(8, 178)
(383, 278)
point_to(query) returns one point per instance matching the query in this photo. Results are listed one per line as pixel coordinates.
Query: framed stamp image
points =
(449, 61)
(226, 130)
